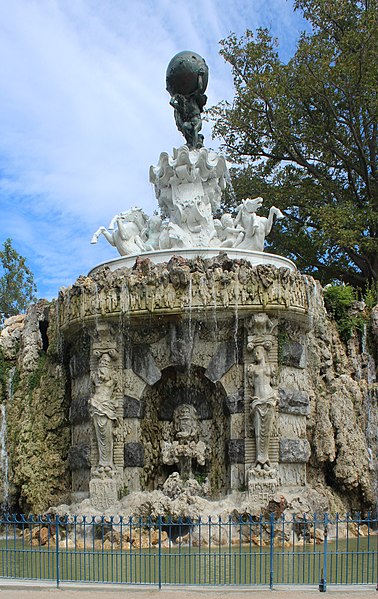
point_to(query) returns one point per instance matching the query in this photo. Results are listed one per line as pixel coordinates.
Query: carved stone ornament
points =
(185, 448)
(260, 330)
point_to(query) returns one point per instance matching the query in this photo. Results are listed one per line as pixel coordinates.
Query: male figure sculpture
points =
(186, 448)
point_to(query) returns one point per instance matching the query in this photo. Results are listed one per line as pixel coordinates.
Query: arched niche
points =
(160, 400)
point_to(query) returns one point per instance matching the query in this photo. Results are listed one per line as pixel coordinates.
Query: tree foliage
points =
(17, 285)
(304, 135)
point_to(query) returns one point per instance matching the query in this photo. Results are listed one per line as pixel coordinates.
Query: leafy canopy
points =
(17, 285)
(304, 136)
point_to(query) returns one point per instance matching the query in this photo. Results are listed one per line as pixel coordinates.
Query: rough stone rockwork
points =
(34, 390)
(93, 385)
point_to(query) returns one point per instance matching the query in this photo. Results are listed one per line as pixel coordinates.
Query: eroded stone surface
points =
(79, 457)
(132, 407)
(294, 450)
(294, 401)
(134, 455)
(236, 451)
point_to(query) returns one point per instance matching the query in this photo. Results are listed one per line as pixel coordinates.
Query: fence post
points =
(57, 549)
(159, 552)
(271, 553)
(323, 581)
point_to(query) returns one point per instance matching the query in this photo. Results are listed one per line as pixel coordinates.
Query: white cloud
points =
(84, 112)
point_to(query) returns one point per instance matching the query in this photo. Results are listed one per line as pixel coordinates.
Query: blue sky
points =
(84, 112)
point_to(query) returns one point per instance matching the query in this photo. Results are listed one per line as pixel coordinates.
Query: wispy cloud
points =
(84, 112)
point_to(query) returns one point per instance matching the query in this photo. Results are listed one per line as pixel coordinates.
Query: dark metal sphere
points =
(183, 72)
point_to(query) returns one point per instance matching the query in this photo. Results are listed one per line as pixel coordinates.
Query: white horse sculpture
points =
(255, 227)
(125, 232)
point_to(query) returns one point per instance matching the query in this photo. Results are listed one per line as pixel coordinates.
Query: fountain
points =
(194, 374)
(155, 357)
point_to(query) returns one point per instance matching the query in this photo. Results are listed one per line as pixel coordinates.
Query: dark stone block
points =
(294, 451)
(79, 365)
(79, 410)
(293, 354)
(181, 344)
(221, 362)
(234, 404)
(134, 455)
(236, 451)
(293, 401)
(143, 364)
(132, 407)
(79, 361)
(79, 457)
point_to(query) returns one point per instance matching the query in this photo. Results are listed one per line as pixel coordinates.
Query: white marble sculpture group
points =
(188, 187)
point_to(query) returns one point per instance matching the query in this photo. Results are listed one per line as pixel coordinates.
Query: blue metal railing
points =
(247, 551)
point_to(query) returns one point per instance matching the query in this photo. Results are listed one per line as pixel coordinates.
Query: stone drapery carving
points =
(185, 448)
(103, 411)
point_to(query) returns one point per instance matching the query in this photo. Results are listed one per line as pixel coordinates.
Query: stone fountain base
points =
(159, 339)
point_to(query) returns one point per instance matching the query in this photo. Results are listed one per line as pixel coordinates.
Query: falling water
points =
(190, 308)
(236, 327)
(214, 297)
(231, 192)
(190, 291)
(97, 305)
(363, 339)
(59, 334)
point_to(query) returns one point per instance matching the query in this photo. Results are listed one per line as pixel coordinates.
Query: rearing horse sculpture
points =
(124, 232)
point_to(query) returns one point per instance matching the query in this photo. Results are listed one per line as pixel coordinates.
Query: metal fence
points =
(245, 551)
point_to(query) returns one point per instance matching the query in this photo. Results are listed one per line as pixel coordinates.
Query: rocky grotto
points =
(194, 375)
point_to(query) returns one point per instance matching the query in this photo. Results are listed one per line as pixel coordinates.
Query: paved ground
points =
(15, 590)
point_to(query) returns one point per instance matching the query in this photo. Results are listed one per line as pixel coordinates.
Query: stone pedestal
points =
(103, 493)
(261, 489)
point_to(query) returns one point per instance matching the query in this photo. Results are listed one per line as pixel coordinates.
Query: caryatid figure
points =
(261, 376)
(103, 411)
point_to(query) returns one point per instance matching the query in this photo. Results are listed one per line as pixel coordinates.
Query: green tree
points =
(17, 285)
(304, 136)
